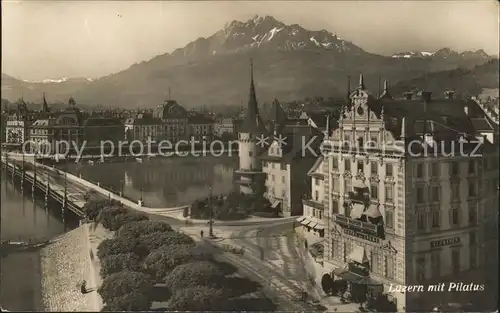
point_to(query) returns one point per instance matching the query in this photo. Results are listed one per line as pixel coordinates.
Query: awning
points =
(358, 255)
(312, 224)
(300, 218)
(275, 204)
(306, 222)
(373, 211)
(320, 227)
(357, 210)
(357, 279)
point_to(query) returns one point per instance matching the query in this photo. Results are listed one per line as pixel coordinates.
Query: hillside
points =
(467, 82)
(290, 63)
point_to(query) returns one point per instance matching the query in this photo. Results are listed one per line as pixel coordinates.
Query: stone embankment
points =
(65, 264)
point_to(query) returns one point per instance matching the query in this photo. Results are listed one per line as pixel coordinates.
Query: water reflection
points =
(164, 182)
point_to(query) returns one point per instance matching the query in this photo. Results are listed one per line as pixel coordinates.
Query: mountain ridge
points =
(291, 62)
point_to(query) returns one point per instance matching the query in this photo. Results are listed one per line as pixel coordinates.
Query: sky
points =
(54, 39)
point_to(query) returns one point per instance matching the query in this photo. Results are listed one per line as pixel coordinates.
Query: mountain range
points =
(290, 62)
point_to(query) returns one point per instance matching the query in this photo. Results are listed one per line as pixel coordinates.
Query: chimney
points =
(408, 95)
(426, 95)
(449, 94)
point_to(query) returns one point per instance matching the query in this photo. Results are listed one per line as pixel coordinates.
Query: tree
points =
(121, 219)
(153, 241)
(123, 283)
(120, 246)
(94, 206)
(133, 301)
(119, 262)
(197, 299)
(327, 284)
(108, 213)
(140, 228)
(192, 274)
(161, 261)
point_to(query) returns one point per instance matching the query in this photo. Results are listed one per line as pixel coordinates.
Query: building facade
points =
(395, 216)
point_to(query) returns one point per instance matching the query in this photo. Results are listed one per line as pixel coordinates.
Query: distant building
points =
(144, 127)
(18, 124)
(175, 120)
(228, 125)
(99, 129)
(201, 127)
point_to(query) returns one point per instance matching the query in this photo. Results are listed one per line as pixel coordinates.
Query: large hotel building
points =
(401, 196)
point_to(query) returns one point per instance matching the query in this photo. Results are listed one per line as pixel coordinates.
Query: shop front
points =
(357, 275)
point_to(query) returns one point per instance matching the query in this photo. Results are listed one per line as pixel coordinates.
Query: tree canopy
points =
(192, 274)
(141, 228)
(197, 299)
(161, 261)
(155, 240)
(124, 218)
(119, 262)
(120, 246)
(107, 214)
(123, 283)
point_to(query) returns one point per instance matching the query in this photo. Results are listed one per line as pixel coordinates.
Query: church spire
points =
(252, 122)
(45, 106)
(361, 82)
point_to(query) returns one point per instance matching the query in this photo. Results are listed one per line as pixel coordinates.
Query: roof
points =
(169, 109)
(102, 121)
(294, 139)
(253, 122)
(43, 123)
(200, 119)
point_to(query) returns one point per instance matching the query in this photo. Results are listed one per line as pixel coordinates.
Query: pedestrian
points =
(201, 233)
(83, 287)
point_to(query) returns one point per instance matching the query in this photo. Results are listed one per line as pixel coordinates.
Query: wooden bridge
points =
(43, 181)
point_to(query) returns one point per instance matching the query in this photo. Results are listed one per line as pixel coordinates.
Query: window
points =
(419, 170)
(360, 166)
(316, 180)
(420, 195)
(436, 264)
(347, 139)
(249, 153)
(283, 194)
(361, 143)
(388, 193)
(335, 207)
(347, 185)
(389, 218)
(436, 217)
(388, 170)
(420, 221)
(472, 214)
(434, 169)
(316, 195)
(454, 169)
(272, 177)
(472, 189)
(336, 249)
(455, 191)
(420, 269)
(435, 193)
(373, 139)
(335, 163)
(472, 239)
(374, 168)
(455, 217)
(389, 267)
(472, 167)
(374, 191)
(455, 261)
(345, 252)
(347, 165)
(335, 182)
(374, 266)
(283, 166)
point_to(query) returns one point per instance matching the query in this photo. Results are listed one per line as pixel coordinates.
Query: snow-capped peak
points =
(56, 81)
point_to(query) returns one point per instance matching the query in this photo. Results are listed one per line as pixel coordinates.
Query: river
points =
(23, 219)
(163, 182)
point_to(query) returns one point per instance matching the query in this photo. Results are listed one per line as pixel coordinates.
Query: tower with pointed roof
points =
(252, 140)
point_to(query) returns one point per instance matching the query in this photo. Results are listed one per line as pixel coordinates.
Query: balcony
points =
(355, 224)
(312, 203)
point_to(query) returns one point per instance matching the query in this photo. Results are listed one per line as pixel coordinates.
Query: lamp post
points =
(210, 220)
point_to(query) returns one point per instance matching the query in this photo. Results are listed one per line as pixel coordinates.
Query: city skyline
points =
(120, 34)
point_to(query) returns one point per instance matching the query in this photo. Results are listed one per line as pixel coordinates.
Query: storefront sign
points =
(361, 235)
(445, 242)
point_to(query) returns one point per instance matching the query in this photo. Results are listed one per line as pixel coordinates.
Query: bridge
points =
(50, 181)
